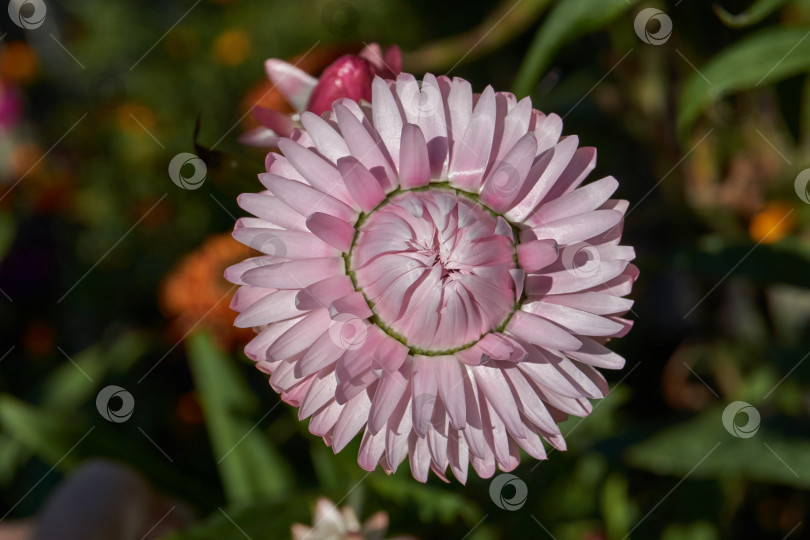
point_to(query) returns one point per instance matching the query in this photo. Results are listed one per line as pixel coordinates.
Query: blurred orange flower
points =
(26, 158)
(18, 62)
(195, 295)
(231, 47)
(772, 223)
(130, 114)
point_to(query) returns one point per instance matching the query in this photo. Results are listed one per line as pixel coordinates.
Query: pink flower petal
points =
(387, 118)
(471, 152)
(318, 172)
(272, 308)
(322, 293)
(326, 138)
(370, 152)
(295, 84)
(388, 395)
(363, 187)
(414, 170)
(540, 332)
(331, 230)
(295, 274)
(307, 200)
(537, 254)
(451, 390)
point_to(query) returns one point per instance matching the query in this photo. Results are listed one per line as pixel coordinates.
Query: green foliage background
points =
(721, 314)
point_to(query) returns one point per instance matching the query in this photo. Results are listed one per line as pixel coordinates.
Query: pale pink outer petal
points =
(295, 84)
(414, 170)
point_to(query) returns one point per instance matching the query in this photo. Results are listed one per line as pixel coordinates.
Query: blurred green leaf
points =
(567, 21)
(602, 423)
(580, 498)
(695, 531)
(268, 520)
(77, 380)
(703, 448)
(760, 59)
(434, 504)
(12, 454)
(617, 511)
(45, 434)
(328, 469)
(804, 115)
(8, 229)
(754, 14)
(249, 465)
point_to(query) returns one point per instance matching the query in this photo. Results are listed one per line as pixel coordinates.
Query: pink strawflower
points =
(349, 76)
(434, 277)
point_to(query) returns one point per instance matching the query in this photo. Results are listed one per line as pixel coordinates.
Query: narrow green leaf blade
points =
(77, 380)
(434, 504)
(249, 465)
(759, 60)
(42, 432)
(754, 14)
(567, 21)
(703, 448)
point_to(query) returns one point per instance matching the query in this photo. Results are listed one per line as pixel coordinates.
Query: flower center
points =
(435, 268)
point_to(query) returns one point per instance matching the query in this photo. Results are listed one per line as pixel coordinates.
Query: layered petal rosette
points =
(434, 277)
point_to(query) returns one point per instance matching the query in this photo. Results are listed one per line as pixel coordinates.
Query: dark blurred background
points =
(110, 274)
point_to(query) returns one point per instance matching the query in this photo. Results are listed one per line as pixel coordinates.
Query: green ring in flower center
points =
(383, 324)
